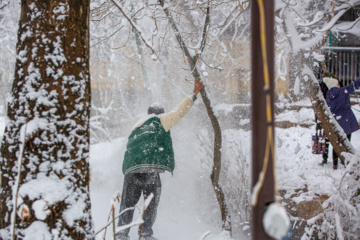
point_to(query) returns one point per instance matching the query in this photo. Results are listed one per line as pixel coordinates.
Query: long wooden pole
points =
(260, 132)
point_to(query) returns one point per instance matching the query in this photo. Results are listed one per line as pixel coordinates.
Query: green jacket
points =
(149, 146)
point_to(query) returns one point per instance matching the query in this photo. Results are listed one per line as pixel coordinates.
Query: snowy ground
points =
(296, 165)
(182, 215)
(187, 207)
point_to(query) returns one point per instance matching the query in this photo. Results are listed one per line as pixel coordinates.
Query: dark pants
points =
(335, 156)
(134, 185)
(326, 153)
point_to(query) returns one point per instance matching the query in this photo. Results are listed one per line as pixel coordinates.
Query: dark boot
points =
(324, 161)
(335, 163)
(325, 158)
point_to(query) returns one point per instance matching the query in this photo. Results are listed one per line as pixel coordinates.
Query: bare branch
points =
(105, 38)
(4, 5)
(287, 2)
(340, 12)
(177, 33)
(227, 20)
(206, 28)
(110, 222)
(351, 26)
(135, 27)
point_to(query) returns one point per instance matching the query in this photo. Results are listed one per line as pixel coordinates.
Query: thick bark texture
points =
(48, 181)
(333, 130)
(215, 175)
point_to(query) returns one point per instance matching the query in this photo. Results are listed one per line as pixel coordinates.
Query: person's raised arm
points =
(170, 119)
(357, 84)
(352, 87)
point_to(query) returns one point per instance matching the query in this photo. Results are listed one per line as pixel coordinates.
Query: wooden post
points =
(259, 116)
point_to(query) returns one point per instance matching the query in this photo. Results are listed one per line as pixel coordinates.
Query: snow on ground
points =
(182, 214)
(187, 208)
(297, 166)
(304, 115)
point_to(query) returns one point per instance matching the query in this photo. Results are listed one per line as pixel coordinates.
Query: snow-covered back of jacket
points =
(150, 145)
(338, 99)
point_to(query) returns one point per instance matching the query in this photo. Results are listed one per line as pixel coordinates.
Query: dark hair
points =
(329, 74)
(155, 110)
(323, 88)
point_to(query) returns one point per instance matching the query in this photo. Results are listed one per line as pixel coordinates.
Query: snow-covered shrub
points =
(341, 217)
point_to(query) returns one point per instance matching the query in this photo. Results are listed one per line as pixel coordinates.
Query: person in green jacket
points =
(149, 151)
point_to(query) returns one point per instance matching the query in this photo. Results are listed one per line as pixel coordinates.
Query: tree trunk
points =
(215, 175)
(333, 130)
(45, 149)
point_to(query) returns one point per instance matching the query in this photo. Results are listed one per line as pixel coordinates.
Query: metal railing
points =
(344, 62)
